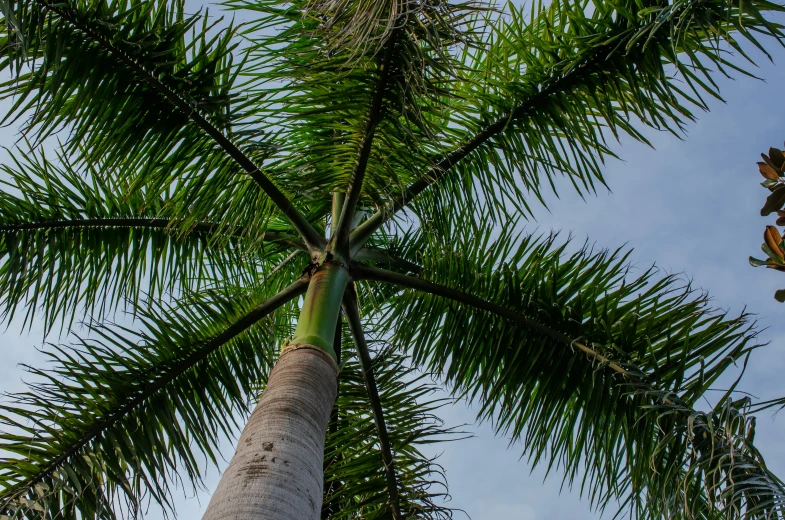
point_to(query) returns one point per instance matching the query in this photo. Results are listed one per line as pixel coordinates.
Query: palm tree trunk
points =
(277, 470)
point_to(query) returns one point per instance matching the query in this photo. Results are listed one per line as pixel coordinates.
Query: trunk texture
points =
(276, 472)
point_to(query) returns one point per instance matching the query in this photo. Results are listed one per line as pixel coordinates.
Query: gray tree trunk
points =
(276, 472)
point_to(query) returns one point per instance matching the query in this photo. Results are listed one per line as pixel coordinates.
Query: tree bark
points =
(276, 472)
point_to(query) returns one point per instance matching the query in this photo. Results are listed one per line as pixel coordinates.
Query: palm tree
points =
(256, 195)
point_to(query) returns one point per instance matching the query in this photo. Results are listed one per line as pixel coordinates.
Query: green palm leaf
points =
(70, 241)
(171, 79)
(589, 366)
(354, 469)
(125, 414)
(542, 96)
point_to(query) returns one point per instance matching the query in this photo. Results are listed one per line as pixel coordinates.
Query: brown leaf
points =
(781, 221)
(777, 157)
(767, 171)
(769, 161)
(772, 238)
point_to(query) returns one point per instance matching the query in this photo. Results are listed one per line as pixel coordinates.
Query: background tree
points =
(772, 169)
(201, 161)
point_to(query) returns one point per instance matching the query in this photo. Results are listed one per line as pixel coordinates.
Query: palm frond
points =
(355, 475)
(598, 369)
(144, 85)
(71, 241)
(544, 94)
(352, 312)
(125, 414)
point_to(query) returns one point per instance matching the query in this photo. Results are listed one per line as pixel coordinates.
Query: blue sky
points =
(690, 206)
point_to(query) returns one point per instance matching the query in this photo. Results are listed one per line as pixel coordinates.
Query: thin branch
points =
(364, 272)
(436, 173)
(264, 309)
(157, 223)
(352, 313)
(340, 238)
(298, 221)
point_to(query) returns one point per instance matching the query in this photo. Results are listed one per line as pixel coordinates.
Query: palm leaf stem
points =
(298, 221)
(160, 223)
(340, 238)
(102, 423)
(373, 255)
(365, 272)
(364, 254)
(383, 257)
(336, 206)
(352, 313)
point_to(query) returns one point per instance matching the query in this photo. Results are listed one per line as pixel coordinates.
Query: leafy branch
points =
(503, 319)
(773, 170)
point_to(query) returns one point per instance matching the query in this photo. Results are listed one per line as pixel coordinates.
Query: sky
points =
(689, 206)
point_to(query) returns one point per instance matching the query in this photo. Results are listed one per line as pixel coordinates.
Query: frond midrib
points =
(153, 223)
(352, 312)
